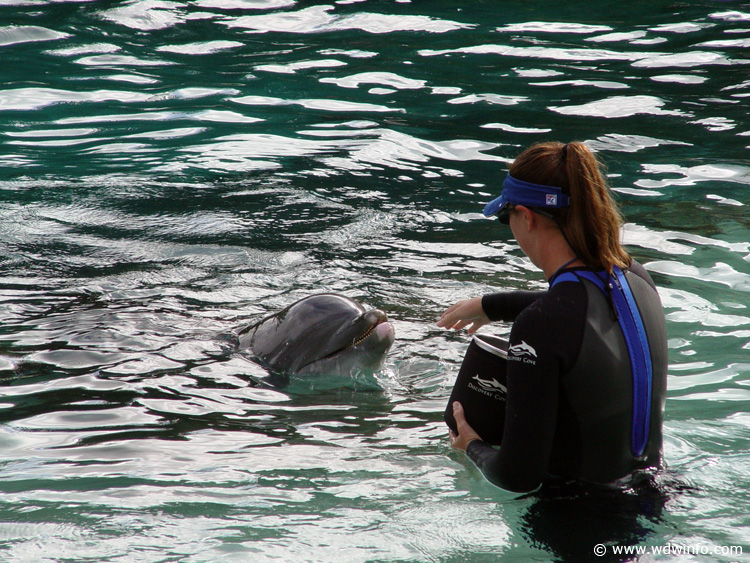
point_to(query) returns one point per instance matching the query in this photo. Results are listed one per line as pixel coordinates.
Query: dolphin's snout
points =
(380, 327)
(376, 316)
(376, 322)
(385, 331)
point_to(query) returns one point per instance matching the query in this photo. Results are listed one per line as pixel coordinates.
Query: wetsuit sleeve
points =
(546, 338)
(521, 462)
(507, 305)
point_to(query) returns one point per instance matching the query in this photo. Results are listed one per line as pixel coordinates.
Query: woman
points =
(587, 361)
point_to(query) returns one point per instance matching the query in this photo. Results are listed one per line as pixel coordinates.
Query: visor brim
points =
(494, 207)
(499, 207)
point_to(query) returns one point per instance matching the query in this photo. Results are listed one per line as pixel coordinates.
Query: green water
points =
(172, 170)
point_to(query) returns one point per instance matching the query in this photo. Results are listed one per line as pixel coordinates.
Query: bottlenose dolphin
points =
(324, 334)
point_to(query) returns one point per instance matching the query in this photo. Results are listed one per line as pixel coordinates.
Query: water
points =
(173, 170)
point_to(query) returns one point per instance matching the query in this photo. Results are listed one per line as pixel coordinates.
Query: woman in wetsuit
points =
(587, 360)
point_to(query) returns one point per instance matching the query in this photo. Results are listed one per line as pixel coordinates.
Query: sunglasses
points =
(504, 215)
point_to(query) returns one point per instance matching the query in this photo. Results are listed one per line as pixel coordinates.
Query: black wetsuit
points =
(570, 403)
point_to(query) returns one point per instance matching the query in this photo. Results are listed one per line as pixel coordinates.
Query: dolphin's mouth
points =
(358, 340)
(363, 337)
(378, 328)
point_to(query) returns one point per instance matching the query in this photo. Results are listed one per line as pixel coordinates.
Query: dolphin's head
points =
(324, 334)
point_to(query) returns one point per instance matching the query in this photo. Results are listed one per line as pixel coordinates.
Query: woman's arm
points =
(543, 340)
(479, 311)
(507, 305)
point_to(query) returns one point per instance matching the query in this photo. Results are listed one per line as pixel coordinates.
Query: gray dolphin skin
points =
(324, 334)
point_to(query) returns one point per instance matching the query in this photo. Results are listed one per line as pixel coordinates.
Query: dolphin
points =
(323, 334)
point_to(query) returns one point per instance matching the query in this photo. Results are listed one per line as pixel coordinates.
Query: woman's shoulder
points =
(555, 323)
(562, 303)
(639, 270)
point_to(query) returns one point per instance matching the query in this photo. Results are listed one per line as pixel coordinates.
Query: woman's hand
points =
(465, 434)
(465, 313)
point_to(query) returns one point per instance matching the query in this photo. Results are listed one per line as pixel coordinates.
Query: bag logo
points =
(490, 384)
(489, 387)
(522, 353)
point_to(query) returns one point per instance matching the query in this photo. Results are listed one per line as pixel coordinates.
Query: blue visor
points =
(518, 192)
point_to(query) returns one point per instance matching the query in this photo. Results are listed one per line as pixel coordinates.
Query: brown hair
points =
(591, 224)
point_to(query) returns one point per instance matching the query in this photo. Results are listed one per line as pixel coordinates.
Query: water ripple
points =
(618, 106)
(15, 34)
(200, 47)
(389, 79)
(146, 15)
(318, 19)
(30, 99)
(316, 104)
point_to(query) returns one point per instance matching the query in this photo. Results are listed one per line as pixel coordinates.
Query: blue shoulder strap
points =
(631, 322)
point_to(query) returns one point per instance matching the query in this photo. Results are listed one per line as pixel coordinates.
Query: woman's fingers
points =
(465, 313)
(465, 433)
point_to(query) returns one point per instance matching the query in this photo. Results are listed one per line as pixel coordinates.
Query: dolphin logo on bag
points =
(490, 384)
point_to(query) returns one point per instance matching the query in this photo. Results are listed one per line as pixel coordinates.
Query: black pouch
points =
(480, 387)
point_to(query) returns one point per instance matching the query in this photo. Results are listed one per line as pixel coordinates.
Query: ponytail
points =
(592, 223)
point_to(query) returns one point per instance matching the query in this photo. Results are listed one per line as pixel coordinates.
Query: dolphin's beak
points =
(375, 319)
(376, 316)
